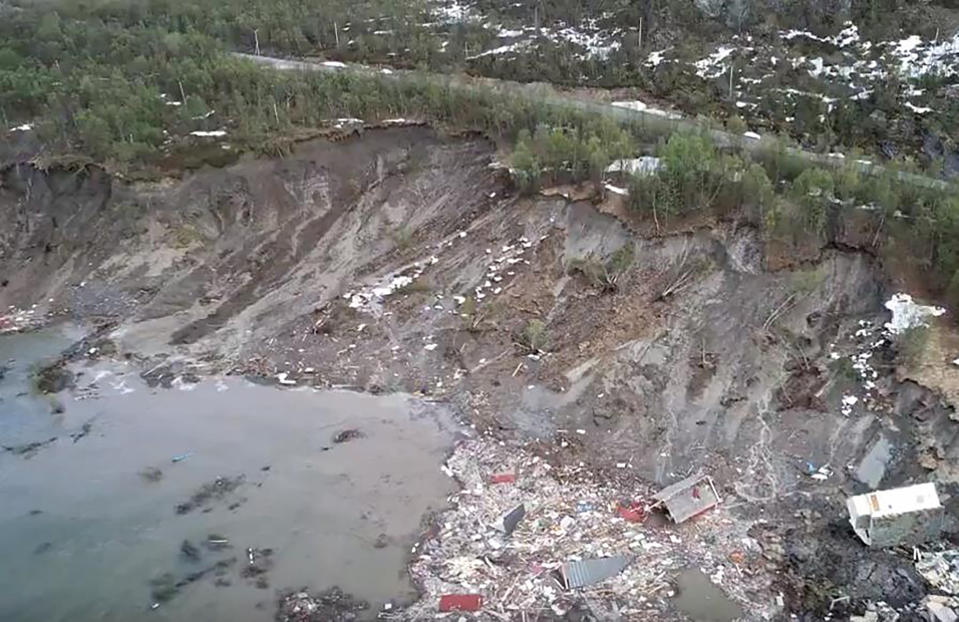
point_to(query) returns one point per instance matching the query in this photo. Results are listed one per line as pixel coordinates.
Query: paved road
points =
(641, 117)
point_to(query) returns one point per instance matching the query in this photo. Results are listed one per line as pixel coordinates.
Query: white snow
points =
(208, 134)
(906, 314)
(509, 34)
(917, 109)
(597, 44)
(846, 37)
(334, 64)
(454, 12)
(655, 58)
(503, 49)
(711, 66)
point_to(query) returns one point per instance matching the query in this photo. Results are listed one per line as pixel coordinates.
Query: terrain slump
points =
(203, 500)
(400, 262)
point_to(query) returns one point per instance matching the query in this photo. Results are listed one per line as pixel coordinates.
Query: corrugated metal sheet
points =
(678, 487)
(512, 518)
(688, 498)
(592, 571)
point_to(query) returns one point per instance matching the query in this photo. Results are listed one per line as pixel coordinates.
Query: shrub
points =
(534, 337)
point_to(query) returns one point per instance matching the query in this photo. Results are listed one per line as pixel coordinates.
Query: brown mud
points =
(712, 351)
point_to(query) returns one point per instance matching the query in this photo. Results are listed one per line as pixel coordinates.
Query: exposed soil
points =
(287, 270)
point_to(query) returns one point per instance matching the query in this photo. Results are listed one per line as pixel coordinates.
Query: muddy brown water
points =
(702, 601)
(83, 532)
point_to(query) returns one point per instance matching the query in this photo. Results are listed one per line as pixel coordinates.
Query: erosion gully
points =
(151, 503)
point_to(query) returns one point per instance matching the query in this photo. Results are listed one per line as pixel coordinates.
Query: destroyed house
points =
(688, 498)
(908, 516)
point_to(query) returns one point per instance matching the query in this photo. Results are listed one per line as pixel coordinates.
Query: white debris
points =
(645, 165)
(752, 135)
(848, 401)
(208, 134)
(644, 107)
(334, 64)
(26, 127)
(617, 190)
(429, 347)
(906, 314)
(283, 378)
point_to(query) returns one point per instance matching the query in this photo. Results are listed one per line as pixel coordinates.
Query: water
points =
(702, 601)
(873, 466)
(82, 532)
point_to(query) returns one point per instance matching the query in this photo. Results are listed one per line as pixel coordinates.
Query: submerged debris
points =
(217, 489)
(328, 606)
(151, 474)
(28, 450)
(347, 435)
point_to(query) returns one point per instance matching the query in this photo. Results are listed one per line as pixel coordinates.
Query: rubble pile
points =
(940, 569)
(18, 320)
(478, 546)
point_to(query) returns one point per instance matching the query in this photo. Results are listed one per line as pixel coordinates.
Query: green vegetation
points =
(605, 275)
(125, 82)
(569, 153)
(534, 338)
(911, 344)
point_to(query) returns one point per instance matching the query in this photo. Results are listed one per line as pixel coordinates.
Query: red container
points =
(632, 514)
(461, 602)
(502, 478)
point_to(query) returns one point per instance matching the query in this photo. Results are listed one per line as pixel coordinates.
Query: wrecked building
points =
(688, 498)
(908, 516)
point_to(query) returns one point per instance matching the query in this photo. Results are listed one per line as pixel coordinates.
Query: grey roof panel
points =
(591, 571)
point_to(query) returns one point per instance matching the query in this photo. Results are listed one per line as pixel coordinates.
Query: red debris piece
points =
(502, 478)
(461, 602)
(632, 513)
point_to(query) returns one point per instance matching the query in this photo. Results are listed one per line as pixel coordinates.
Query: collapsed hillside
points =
(401, 260)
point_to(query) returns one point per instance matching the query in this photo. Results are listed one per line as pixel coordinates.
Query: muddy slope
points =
(400, 260)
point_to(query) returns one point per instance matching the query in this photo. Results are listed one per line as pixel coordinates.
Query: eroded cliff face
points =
(401, 260)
